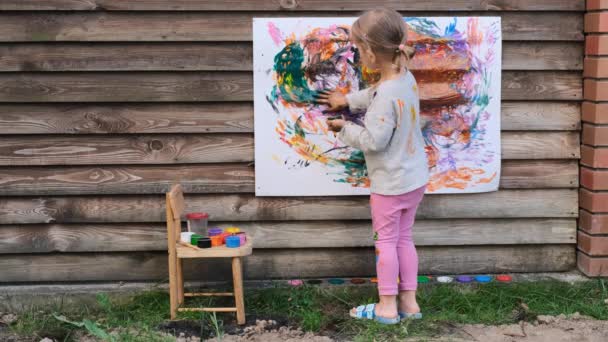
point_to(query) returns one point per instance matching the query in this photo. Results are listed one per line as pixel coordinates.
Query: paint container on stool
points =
(204, 242)
(197, 223)
(232, 230)
(243, 237)
(186, 237)
(216, 241)
(194, 239)
(214, 231)
(233, 241)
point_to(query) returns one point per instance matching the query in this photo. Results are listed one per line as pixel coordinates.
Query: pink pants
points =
(392, 219)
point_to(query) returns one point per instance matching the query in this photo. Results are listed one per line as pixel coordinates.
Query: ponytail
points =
(403, 51)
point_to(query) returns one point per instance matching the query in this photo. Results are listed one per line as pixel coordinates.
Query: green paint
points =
(291, 85)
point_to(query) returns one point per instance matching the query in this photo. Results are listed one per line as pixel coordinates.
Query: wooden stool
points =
(179, 251)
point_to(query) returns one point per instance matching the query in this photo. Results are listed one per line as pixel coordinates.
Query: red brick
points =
(592, 245)
(595, 135)
(595, 112)
(596, 22)
(596, 157)
(592, 266)
(596, 90)
(593, 223)
(597, 4)
(596, 67)
(595, 202)
(596, 45)
(594, 179)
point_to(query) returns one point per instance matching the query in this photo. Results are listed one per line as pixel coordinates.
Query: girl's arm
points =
(380, 123)
(358, 101)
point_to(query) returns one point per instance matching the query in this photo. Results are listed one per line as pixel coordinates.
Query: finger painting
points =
(457, 66)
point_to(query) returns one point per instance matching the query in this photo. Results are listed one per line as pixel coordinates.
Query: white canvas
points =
(458, 68)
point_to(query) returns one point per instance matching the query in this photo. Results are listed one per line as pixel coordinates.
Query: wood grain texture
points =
(237, 56)
(49, 238)
(225, 86)
(551, 145)
(230, 117)
(283, 263)
(299, 5)
(127, 149)
(126, 87)
(222, 178)
(546, 203)
(225, 26)
(218, 148)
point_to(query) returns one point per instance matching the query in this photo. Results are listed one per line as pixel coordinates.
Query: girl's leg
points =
(406, 251)
(386, 214)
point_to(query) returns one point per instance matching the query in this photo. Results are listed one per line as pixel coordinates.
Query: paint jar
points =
(243, 237)
(194, 239)
(216, 241)
(233, 241)
(204, 242)
(224, 235)
(186, 237)
(197, 223)
(232, 230)
(214, 231)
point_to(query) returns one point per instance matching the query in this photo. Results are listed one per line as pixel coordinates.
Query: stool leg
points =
(173, 286)
(237, 275)
(180, 282)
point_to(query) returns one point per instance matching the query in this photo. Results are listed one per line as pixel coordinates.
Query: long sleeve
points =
(358, 101)
(380, 123)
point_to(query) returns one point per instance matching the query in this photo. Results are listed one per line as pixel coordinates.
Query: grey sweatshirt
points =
(391, 139)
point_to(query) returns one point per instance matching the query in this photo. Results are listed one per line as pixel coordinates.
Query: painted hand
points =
(335, 100)
(335, 125)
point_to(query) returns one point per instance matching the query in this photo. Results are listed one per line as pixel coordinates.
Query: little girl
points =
(392, 143)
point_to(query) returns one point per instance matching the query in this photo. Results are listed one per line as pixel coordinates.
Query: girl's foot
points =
(408, 307)
(372, 311)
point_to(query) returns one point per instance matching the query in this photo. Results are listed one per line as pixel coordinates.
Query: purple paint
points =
(464, 279)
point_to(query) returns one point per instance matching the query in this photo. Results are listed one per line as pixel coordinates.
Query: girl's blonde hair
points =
(383, 31)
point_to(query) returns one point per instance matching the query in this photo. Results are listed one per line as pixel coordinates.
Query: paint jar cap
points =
(483, 278)
(215, 231)
(423, 279)
(445, 279)
(232, 230)
(504, 278)
(197, 216)
(464, 279)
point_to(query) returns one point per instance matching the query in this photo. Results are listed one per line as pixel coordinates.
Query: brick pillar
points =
(593, 221)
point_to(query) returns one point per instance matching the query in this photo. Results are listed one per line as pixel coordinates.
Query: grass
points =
(324, 309)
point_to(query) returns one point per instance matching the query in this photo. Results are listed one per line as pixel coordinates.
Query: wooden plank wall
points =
(105, 103)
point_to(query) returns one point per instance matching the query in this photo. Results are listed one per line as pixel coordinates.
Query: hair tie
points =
(402, 47)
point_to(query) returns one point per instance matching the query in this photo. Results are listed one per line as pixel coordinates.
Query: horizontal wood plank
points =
(223, 178)
(218, 148)
(16, 239)
(232, 117)
(225, 86)
(127, 149)
(283, 263)
(235, 56)
(547, 203)
(224, 26)
(299, 5)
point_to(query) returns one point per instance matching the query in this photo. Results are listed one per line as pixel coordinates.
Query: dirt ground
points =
(544, 329)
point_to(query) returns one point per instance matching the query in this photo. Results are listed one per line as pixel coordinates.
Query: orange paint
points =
(456, 179)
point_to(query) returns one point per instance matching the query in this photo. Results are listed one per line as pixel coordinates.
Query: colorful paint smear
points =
(457, 67)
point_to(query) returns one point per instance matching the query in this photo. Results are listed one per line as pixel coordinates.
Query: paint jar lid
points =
(336, 281)
(483, 278)
(445, 279)
(232, 230)
(197, 216)
(504, 278)
(464, 279)
(423, 279)
(215, 231)
(358, 281)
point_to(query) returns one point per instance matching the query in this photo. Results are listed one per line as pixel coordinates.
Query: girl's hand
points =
(335, 100)
(335, 125)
